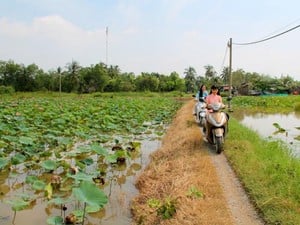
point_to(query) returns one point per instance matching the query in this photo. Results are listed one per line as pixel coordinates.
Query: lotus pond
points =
(284, 127)
(71, 159)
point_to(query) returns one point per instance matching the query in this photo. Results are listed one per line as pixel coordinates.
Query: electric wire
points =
(282, 28)
(224, 58)
(255, 42)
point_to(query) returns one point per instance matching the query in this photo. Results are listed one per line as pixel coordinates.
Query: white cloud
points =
(51, 41)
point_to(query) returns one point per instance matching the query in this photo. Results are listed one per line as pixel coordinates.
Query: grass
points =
(269, 173)
(267, 103)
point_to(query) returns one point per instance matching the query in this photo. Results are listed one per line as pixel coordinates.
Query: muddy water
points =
(117, 211)
(120, 191)
(264, 125)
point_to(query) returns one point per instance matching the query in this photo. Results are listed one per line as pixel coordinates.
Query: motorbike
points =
(200, 111)
(217, 126)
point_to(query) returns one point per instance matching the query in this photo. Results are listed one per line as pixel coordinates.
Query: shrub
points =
(297, 107)
(6, 90)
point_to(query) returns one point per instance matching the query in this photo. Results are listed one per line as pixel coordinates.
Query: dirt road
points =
(238, 202)
(184, 163)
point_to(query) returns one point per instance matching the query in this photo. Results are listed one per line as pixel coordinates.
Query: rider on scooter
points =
(213, 97)
(201, 94)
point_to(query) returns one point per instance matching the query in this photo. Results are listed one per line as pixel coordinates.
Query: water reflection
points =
(265, 125)
(120, 188)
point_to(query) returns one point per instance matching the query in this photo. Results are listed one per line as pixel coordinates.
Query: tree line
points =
(103, 78)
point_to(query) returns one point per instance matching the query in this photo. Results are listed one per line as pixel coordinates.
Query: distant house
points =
(244, 89)
(225, 88)
(295, 91)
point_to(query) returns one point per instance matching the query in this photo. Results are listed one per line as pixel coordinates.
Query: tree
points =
(177, 81)
(190, 79)
(72, 77)
(146, 82)
(93, 78)
(210, 72)
(225, 75)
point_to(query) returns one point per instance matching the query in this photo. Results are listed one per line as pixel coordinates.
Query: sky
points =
(160, 36)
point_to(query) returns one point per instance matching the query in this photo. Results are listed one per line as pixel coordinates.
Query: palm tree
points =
(190, 79)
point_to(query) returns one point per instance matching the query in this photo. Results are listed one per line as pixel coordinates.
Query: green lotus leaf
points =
(55, 220)
(26, 197)
(83, 149)
(87, 161)
(99, 149)
(3, 162)
(3, 144)
(112, 158)
(92, 209)
(59, 121)
(59, 201)
(81, 177)
(39, 185)
(26, 140)
(78, 213)
(89, 193)
(49, 164)
(64, 140)
(79, 164)
(31, 179)
(18, 158)
(18, 204)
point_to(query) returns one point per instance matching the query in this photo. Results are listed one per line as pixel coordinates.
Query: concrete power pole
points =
(106, 58)
(230, 75)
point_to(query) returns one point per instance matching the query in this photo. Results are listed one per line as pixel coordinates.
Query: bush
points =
(6, 90)
(297, 107)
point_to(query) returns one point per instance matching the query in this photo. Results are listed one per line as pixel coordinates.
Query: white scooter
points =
(217, 126)
(201, 112)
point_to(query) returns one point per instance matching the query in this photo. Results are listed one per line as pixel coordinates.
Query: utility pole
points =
(230, 75)
(59, 72)
(106, 32)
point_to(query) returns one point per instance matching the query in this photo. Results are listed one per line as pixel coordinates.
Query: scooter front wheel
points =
(219, 144)
(202, 122)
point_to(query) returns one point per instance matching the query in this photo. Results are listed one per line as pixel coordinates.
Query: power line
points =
(282, 28)
(255, 42)
(224, 58)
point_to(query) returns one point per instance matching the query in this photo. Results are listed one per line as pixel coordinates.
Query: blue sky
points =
(152, 35)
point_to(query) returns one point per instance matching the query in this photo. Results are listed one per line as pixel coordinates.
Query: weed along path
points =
(186, 183)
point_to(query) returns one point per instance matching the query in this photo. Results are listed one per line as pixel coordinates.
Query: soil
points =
(183, 163)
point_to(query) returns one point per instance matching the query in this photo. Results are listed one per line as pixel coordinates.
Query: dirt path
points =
(238, 202)
(183, 163)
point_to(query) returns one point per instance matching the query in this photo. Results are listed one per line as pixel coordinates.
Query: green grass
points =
(267, 103)
(269, 173)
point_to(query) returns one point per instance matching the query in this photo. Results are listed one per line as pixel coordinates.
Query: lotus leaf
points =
(49, 164)
(18, 204)
(3, 162)
(99, 149)
(31, 179)
(87, 161)
(17, 159)
(81, 176)
(89, 193)
(38, 185)
(59, 201)
(26, 140)
(55, 220)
